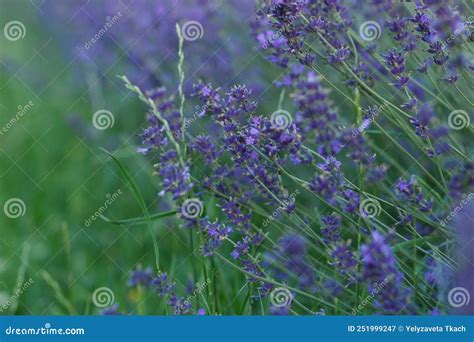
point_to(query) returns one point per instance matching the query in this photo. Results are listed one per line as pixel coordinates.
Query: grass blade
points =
(58, 293)
(141, 202)
(141, 219)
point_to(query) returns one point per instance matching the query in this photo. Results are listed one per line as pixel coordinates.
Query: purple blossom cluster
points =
(379, 266)
(114, 34)
(243, 159)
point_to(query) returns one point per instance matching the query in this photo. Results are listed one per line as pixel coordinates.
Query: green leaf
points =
(141, 219)
(406, 244)
(141, 202)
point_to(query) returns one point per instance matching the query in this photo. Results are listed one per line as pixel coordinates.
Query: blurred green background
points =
(51, 159)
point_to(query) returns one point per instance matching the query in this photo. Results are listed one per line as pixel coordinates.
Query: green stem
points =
(195, 278)
(415, 277)
(181, 82)
(214, 284)
(463, 95)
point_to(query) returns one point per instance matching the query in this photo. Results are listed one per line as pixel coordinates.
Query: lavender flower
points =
(172, 170)
(141, 277)
(112, 310)
(345, 260)
(292, 255)
(379, 266)
(411, 192)
(331, 229)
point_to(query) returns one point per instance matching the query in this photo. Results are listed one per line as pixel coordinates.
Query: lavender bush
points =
(338, 196)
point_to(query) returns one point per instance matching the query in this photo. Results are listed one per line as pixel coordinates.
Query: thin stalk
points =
(414, 251)
(157, 113)
(361, 185)
(214, 284)
(191, 243)
(181, 82)
(464, 95)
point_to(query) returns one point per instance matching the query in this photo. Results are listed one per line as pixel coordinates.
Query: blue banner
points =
(228, 328)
